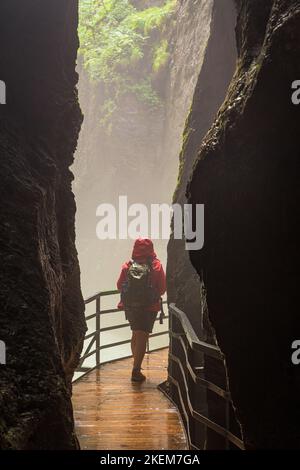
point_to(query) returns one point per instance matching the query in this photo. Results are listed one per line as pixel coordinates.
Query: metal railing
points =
(94, 346)
(184, 337)
(184, 346)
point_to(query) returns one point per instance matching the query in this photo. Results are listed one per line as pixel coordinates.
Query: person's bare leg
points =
(141, 338)
(133, 342)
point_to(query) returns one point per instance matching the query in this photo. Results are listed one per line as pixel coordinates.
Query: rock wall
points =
(214, 75)
(41, 316)
(247, 175)
(218, 63)
(188, 42)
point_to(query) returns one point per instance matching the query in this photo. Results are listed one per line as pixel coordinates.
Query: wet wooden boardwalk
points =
(111, 413)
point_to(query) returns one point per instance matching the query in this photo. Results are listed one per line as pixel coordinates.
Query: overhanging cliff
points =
(41, 317)
(216, 70)
(247, 175)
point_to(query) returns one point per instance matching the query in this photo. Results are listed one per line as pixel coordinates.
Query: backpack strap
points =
(150, 261)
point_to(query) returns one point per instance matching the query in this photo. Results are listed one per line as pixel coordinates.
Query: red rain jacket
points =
(142, 251)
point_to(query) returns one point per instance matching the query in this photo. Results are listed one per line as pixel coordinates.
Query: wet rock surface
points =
(216, 71)
(247, 175)
(217, 67)
(41, 316)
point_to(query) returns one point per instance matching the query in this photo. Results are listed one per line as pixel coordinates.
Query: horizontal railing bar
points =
(219, 429)
(203, 419)
(194, 342)
(186, 415)
(114, 310)
(85, 356)
(103, 312)
(89, 317)
(125, 325)
(89, 369)
(112, 345)
(196, 378)
(205, 383)
(116, 327)
(111, 328)
(105, 294)
(207, 422)
(213, 388)
(127, 341)
(90, 335)
(187, 363)
(110, 310)
(180, 338)
(161, 333)
(101, 294)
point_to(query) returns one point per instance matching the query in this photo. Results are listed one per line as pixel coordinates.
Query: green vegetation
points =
(124, 47)
(160, 56)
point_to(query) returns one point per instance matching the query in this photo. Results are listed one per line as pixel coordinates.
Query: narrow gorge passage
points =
(149, 229)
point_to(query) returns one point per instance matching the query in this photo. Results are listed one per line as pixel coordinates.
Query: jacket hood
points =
(143, 249)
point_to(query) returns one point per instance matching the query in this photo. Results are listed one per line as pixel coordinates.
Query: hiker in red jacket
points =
(142, 282)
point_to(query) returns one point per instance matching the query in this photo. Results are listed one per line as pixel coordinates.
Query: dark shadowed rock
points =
(217, 68)
(247, 175)
(41, 316)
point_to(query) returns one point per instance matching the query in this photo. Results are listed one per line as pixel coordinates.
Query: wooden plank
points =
(113, 413)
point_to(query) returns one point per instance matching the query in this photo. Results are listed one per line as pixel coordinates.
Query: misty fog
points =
(138, 68)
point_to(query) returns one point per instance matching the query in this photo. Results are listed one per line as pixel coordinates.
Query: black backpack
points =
(137, 290)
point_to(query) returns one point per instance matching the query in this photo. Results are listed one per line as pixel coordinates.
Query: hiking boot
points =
(137, 376)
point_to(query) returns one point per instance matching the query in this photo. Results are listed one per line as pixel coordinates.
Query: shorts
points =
(141, 319)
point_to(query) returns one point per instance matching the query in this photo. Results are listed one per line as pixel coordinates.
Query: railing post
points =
(191, 392)
(97, 331)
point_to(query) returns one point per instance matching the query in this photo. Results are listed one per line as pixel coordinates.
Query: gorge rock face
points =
(215, 32)
(247, 175)
(41, 318)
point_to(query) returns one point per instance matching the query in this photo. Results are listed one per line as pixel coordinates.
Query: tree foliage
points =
(124, 47)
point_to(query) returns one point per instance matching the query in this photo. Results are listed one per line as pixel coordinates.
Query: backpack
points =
(137, 291)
